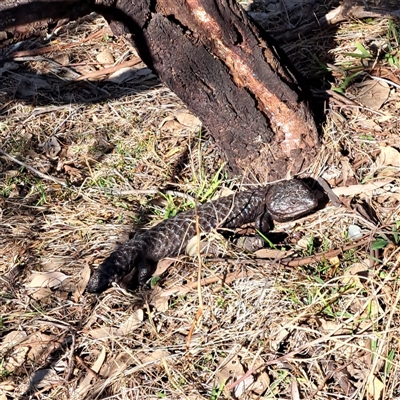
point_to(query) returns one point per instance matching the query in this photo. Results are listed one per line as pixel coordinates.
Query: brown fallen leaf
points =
(12, 339)
(105, 332)
(273, 254)
(372, 93)
(15, 359)
(357, 189)
(357, 275)
(128, 326)
(172, 126)
(229, 370)
(41, 293)
(72, 172)
(368, 125)
(15, 353)
(187, 119)
(160, 302)
(244, 385)
(105, 57)
(333, 327)
(133, 322)
(155, 356)
(41, 345)
(388, 156)
(47, 279)
(261, 384)
(383, 72)
(83, 281)
(53, 263)
(375, 388)
(163, 265)
(85, 384)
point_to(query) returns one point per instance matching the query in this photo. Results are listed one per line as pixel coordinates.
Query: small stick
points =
(35, 171)
(88, 369)
(110, 70)
(57, 47)
(289, 262)
(225, 280)
(340, 98)
(71, 356)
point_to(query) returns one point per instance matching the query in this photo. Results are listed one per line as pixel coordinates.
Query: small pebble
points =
(354, 232)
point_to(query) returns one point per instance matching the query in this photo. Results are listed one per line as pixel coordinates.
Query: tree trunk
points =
(216, 60)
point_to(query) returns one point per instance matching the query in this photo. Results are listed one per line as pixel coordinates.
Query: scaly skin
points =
(282, 201)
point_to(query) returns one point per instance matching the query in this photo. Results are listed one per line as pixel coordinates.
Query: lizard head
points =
(288, 200)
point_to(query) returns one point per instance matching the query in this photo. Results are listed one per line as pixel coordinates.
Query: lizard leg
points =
(146, 269)
(263, 222)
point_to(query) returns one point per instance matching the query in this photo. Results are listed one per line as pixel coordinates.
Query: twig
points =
(341, 98)
(57, 47)
(338, 376)
(182, 290)
(289, 262)
(110, 70)
(33, 170)
(389, 82)
(332, 196)
(241, 379)
(88, 369)
(71, 356)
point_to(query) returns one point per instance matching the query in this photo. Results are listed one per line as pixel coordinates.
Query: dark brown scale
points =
(282, 201)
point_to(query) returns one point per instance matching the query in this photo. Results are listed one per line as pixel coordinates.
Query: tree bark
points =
(215, 59)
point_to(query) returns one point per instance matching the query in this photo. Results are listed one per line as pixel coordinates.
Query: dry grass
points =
(325, 329)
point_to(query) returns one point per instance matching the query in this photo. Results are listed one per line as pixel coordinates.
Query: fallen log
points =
(212, 55)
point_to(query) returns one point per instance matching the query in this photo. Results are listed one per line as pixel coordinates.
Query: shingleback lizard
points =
(282, 201)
